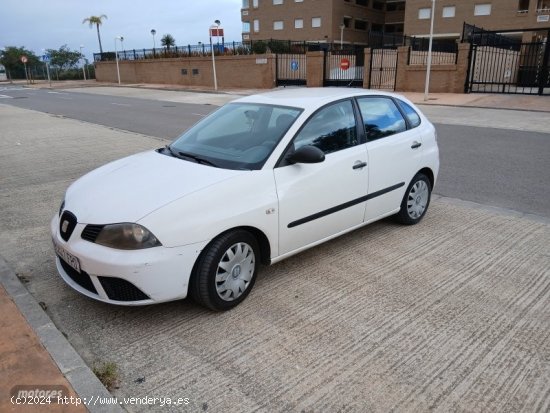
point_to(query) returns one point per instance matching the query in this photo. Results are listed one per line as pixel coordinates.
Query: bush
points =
(259, 47)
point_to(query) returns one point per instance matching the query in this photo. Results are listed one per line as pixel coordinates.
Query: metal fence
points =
(204, 49)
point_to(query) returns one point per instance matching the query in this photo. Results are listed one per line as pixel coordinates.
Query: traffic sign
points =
(344, 64)
(46, 58)
(24, 59)
(216, 32)
(294, 65)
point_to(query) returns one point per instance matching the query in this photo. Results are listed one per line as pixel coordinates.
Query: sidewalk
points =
(35, 356)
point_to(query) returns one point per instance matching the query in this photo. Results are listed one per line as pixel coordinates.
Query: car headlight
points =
(127, 237)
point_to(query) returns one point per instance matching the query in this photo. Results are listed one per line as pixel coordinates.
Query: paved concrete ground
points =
(450, 315)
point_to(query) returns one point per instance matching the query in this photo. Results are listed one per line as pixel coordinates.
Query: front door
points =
(317, 201)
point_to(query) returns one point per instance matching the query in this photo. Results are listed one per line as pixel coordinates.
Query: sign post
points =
(215, 30)
(24, 59)
(46, 59)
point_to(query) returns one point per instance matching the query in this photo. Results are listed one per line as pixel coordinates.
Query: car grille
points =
(82, 278)
(67, 224)
(118, 289)
(91, 232)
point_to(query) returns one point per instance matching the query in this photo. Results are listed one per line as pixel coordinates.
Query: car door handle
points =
(359, 165)
(416, 145)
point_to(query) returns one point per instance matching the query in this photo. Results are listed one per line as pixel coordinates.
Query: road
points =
(501, 167)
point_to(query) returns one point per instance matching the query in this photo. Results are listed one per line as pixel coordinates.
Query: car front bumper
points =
(136, 277)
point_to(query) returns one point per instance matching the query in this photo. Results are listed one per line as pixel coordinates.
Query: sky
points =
(49, 24)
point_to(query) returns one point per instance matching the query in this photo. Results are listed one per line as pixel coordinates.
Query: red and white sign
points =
(344, 64)
(24, 59)
(216, 32)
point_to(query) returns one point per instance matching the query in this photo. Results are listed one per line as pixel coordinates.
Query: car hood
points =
(131, 188)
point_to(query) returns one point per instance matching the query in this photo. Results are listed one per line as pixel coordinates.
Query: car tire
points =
(225, 271)
(415, 201)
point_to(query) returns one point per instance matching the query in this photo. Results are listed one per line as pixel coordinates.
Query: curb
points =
(84, 382)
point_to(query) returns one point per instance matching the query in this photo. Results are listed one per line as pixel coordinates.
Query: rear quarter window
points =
(410, 113)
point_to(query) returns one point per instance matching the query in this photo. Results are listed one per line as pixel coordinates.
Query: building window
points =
(255, 4)
(449, 11)
(378, 5)
(424, 13)
(347, 22)
(256, 26)
(523, 6)
(362, 2)
(246, 27)
(482, 10)
(299, 23)
(395, 6)
(543, 6)
(360, 24)
(316, 22)
(245, 4)
(278, 25)
(277, 2)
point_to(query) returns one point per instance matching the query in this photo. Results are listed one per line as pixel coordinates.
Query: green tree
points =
(64, 58)
(10, 57)
(97, 21)
(168, 41)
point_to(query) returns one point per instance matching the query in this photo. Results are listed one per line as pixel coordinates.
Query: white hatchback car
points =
(258, 180)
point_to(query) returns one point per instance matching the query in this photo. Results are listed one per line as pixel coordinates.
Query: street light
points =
(217, 27)
(429, 62)
(153, 32)
(82, 57)
(116, 58)
(342, 27)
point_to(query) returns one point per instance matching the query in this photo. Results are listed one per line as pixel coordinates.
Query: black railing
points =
(481, 37)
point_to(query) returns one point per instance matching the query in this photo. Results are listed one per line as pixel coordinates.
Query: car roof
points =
(310, 98)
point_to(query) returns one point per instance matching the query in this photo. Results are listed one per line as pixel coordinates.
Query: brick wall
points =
(446, 78)
(254, 72)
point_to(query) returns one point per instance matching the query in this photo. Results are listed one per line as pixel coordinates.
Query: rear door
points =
(395, 154)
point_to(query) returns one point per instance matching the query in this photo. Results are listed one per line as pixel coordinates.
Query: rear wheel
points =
(415, 201)
(226, 271)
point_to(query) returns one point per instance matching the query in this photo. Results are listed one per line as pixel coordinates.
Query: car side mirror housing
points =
(306, 154)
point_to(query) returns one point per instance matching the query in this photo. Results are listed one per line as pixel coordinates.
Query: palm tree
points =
(98, 21)
(168, 41)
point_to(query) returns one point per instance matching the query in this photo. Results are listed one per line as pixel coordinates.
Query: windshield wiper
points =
(196, 158)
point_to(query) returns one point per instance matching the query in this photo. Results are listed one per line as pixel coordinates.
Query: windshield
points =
(236, 136)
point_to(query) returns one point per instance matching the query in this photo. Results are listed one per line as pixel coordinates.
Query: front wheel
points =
(415, 201)
(226, 271)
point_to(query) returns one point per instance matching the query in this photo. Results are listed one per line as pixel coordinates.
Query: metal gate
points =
(503, 64)
(383, 69)
(291, 69)
(344, 66)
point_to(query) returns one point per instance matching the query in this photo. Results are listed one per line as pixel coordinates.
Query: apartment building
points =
(320, 20)
(450, 15)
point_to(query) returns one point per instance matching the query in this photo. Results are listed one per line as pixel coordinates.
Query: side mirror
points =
(306, 154)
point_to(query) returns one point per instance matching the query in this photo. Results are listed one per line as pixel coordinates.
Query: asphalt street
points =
(498, 166)
(149, 117)
(448, 315)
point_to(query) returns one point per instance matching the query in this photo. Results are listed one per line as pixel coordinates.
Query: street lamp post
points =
(217, 27)
(82, 57)
(116, 58)
(429, 62)
(342, 26)
(153, 32)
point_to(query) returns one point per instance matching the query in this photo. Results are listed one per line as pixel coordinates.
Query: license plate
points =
(66, 256)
